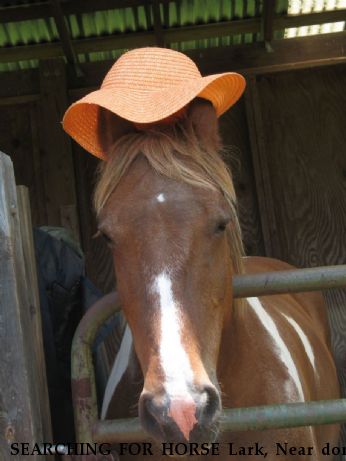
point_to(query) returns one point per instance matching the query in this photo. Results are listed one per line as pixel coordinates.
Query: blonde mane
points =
(173, 151)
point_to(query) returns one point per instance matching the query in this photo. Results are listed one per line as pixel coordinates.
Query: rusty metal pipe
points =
(82, 369)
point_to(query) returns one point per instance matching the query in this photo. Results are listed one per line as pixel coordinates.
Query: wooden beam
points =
(19, 83)
(289, 54)
(26, 230)
(55, 148)
(177, 34)
(160, 40)
(148, 11)
(130, 40)
(17, 100)
(64, 36)
(43, 9)
(310, 19)
(268, 20)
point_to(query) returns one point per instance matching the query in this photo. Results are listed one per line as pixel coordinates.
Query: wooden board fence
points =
(24, 406)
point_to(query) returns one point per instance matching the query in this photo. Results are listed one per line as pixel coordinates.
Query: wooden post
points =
(34, 299)
(55, 146)
(20, 416)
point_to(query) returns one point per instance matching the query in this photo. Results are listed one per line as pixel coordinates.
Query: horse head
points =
(165, 204)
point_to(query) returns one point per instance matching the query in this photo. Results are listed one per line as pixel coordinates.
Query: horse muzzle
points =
(192, 417)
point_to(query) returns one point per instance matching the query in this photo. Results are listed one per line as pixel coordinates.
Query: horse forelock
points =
(177, 153)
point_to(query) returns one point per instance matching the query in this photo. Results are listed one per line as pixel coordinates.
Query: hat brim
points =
(144, 106)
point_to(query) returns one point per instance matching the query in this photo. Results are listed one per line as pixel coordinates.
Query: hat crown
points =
(150, 69)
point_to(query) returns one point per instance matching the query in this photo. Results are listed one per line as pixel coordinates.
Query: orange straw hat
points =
(147, 85)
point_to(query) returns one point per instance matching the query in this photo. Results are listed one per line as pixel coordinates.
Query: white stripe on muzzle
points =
(174, 360)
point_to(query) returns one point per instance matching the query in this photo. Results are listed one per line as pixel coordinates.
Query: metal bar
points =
(82, 370)
(88, 427)
(295, 280)
(237, 420)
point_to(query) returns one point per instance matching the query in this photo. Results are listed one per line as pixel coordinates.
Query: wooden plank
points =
(17, 137)
(160, 39)
(235, 136)
(55, 145)
(20, 409)
(268, 20)
(309, 19)
(288, 54)
(261, 171)
(297, 53)
(147, 11)
(64, 36)
(40, 206)
(292, 54)
(30, 268)
(69, 220)
(98, 258)
(17, 100)
(19, 83)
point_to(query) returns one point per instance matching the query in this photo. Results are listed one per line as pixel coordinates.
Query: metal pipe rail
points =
(89, 428)
(236, 420)
(289, 281)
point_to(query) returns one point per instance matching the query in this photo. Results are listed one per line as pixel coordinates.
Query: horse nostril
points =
(147, 407)
(210, 404)
(151, 414)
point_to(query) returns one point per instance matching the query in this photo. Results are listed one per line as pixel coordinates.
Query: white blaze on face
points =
(160, 198)
(279, 344)
(304, 339)
(173, 357)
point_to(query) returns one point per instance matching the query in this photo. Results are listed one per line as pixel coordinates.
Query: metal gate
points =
(88, 426)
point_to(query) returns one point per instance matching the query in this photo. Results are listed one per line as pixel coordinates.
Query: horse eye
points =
(221, 227)
(105, 237)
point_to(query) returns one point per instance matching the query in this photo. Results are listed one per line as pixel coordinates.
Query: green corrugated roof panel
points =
(117, 21)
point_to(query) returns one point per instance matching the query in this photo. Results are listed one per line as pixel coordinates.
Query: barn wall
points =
(18, 137)
(304, 135)
(31, 108)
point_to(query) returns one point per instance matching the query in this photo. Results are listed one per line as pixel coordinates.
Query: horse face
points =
(173, 272)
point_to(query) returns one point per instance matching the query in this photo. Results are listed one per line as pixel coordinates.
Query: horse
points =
(165, 203)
